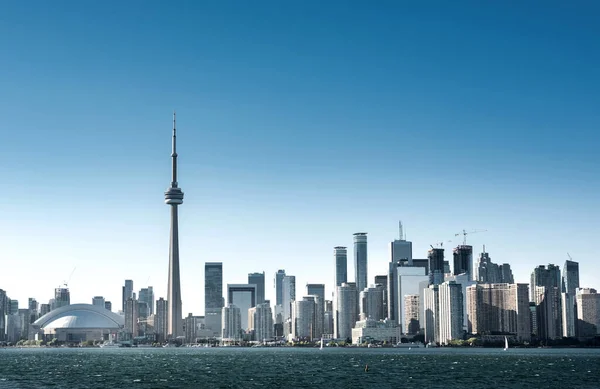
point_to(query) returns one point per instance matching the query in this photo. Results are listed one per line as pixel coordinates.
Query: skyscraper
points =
(412, 317)
(316, 289)
(463, 260)
(213, 296)
(548, 277)
(360, 260)
(258, 279)
(340, 253)
(3, 312)
(382, 280)
(409, 282)
(232, 323)
(431, 320)
(588, 312)
(161, 318)
(289, 295)
(436, 265)
(261, 318)
(570, 277)
(488, 272)
(451, 311)
(243, 296)
(127, 292)
(345, 316)
(174, 198)
(371, 303)
(98, 301)
(62, 297)
(401, 249)
(279, 286)
(147, 296)
(131, 317)
(570, 284)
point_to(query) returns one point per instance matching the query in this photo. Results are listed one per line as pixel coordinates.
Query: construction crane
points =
(570, 258)
(66, 283)
(464, 233)
(440, 244)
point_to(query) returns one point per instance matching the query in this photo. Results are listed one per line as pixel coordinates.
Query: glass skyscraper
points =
(360, 260)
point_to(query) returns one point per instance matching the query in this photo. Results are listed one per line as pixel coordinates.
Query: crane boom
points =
(464, 233)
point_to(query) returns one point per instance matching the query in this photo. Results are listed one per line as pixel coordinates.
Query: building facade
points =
(258, 279)
(451, 311)
(213, 296)
(360, 260)
(345, 316)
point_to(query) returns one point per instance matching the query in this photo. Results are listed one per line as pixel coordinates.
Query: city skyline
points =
(296, 138)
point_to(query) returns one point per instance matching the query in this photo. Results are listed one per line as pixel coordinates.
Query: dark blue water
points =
(299, 368)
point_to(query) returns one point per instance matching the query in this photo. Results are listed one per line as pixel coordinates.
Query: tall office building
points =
(261, 320)
(588, 312)
(451, 311)
(393, 304)
(431, 314)
(13, 306)
(412, 316)
(436, 265)
(316, 289)
(465, 281)
(44, 309)
(382, 280)
(345, 316)
(548, 277)
(279, 286)
(463, 260)
(161, 319)
(127, 292)
(499, 308)
(98, 301)
(232, 322)
(319, 315)
(548, 301)
(213, 296)
(360, 260)
(288, 296)
(243, 296)
(410, 280)
(371, 303)
(3, 313)
(131, 317)
(147, 296)
(570, 284)
(174, 198)
(303, 316)
(488, 272)
(401, 249)
(340, 254)
(62, 297)
(258, 279)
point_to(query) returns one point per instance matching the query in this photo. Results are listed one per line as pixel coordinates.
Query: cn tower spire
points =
(174, 153)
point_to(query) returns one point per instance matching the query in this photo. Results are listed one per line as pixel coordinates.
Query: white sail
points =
(505, 343)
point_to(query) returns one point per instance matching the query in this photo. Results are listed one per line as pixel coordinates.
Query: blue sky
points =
(300, 123)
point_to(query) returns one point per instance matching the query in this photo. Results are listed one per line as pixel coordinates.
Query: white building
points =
(568, 314)
(588, 312)
(380, 331)
(261, 321)
(465, 281)
(289, 295)
(345, 316)
(303, 315)
(410, 282)
(451, 311)
(431, 316)
(232, 323)
(371, 303)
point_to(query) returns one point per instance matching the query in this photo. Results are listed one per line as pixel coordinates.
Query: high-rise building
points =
(436, 265)
(258, 279)
(98, 301)
(3, 312)
(382, 281)
(279, 286)
(371, 303)
(548, 302)
(488, 272)
(570, 277)
(44, 309)
(243, 296)
(193, 326)
(62, 297)
(316, 289)
(463, 260)
(451, 311)
(131, 317)
(360, 260)
(33, 313)
(393, 304)
(432, 314)
(410, 281)
(288, 295)
(401, 249)
(340, 254)
(160, 319)
(548, 277)
(127, 292)
(147, 296)
(319, 315)
(213, 296)
(412, 315)
(262, 321)
(108, 305)
(570, 284)
(499, 308)
(588, 312)
(174, 198)
(465, 281)
(345, 316)
(303, 316)
(232, 323)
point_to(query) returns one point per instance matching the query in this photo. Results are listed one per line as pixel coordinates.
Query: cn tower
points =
(174, 197)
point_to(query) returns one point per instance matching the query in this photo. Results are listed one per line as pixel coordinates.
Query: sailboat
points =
(505, 343)
(321, 344)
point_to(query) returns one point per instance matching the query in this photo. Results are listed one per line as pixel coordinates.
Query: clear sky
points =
(299, 123)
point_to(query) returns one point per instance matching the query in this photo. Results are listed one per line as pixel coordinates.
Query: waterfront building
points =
(132, 316)
(450, 311)
(127, 292)
(570, 284)
(394, 306)
(360, 260)
(588, 312)
(340, 254)
(174, 198)
(98, 301)
(431, 314)
(161, 319)
(465, 281)
(261, 321)
(463, 260)
(371, 303)
(488, 272)
(213, 296)
(549, 312)
(3, 313)
(232, 323)
(44, 309)
(382, 282)
(288, 296)
(258, 279)
(328, 327)
(14, 325)
(410, 281)
(380, 331)
(319, 315)
(499, 308)
(279, 286)
(548, 277)
(243, 297)
(345, 315)
(303, 314)
(411, 314)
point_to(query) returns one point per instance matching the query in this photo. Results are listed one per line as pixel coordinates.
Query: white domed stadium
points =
(77, 323)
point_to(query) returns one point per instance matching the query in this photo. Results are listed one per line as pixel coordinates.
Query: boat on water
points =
(505, 343)
(409, 345)
(321, 347)
(110, 344)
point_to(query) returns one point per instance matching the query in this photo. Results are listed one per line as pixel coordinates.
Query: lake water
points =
(299, 368)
